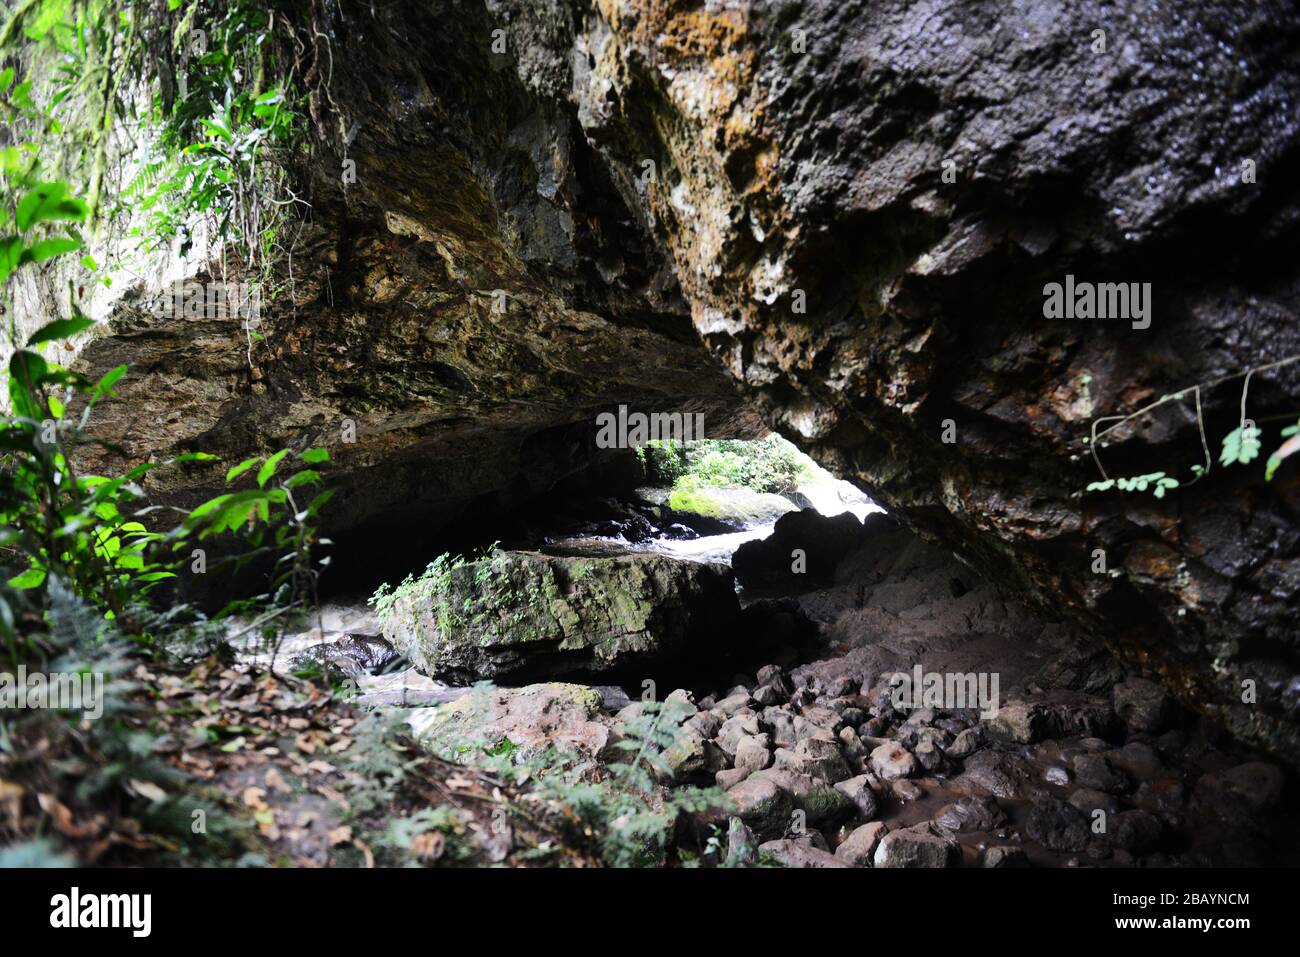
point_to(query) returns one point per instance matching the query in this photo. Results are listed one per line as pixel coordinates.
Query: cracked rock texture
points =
(773, 174)
(527, 615)
(872, 304)
(453, 321)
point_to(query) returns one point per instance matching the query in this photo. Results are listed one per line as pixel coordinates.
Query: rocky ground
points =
(245, 768)
(832, 219)
(1078, 765)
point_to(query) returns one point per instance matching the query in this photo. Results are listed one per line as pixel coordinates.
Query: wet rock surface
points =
(802, 552)
(818, 177)
(525, 615)
(504, 268)
(820, 767)
(569, 718)
(1126, 802)
(713, 509)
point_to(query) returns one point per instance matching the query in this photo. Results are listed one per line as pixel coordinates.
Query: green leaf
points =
(31, 578)
(144, 468)
(109, 380)
(7, 78)
(219, 127)
(315, 456)
(60, 329)
(11, 255)
(241, 468)
(209, 506)
(49, 248)
(268, 469)
(1163, 485)
(48, 202)
(27, 367)
(1240, 446)
(12, 161)
(305, 477)
(1285, 451)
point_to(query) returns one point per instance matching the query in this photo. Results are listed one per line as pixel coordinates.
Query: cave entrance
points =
(692, 503)
(696, 500)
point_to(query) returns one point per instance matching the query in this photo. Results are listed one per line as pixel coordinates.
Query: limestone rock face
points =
(526, 615)
(865, 204)
(857, 208)
(451, 323)
(535, 718)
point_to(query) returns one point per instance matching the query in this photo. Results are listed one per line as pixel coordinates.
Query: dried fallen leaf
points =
(130, 837)
(147, 790)
(428, 846)
(265, 819)
(11, 799)
(61, 816)
(253, 798)
(335, 796)
(361, 846)
(340, 835)
(276, 782)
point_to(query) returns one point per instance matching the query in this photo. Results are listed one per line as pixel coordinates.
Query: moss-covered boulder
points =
(720, 508)
(526, 616)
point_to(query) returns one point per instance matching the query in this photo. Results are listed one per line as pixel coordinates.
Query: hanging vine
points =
(1241, 446)
(169, 116)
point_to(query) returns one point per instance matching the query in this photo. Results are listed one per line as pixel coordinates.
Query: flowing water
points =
(826, 494)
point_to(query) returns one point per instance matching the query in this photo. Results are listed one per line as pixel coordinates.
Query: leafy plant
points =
(103, 772)
(1240, 446)
(435, 582)
(207, 89)
(616, 804)
(61, 523)
(1288, 448)
(771, 464)
(275, 526)
(1157, 482)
